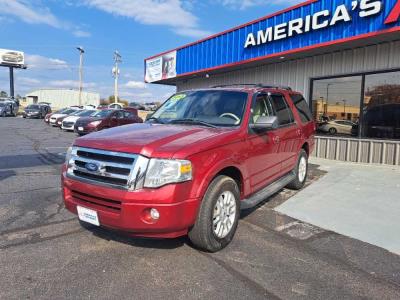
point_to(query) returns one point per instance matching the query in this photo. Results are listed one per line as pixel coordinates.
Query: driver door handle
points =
(276, 139)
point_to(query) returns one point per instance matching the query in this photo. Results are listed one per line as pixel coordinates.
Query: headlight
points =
(164, 171)
(68, 155)
(94, 123)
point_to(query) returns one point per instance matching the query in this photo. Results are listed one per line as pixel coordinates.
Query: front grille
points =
(98, 201)
(68, 124)
(115, 169)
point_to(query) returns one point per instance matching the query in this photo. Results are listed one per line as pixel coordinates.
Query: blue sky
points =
(49, 31)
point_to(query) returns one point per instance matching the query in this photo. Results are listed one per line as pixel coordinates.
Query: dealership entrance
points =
(344, 58)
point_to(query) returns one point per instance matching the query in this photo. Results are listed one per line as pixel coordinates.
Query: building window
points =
(381, 111)
(336, 105)
(366, 105)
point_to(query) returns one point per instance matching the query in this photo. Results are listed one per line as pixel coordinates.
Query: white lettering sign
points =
(318, 20)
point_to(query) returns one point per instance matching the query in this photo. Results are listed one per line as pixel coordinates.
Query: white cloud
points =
(70, 84)
(136, 85)
(28, 81)
(81, 33)
(35, 13)
(171, 13)
(243, 4)
(22, 10)
(43, 63)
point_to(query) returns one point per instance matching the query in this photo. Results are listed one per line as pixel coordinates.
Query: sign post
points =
(12, 59)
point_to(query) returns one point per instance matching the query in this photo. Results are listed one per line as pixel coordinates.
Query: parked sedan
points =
(37, 111)
(337, 126)
(68, 123)
(56, 119)
(104, 119)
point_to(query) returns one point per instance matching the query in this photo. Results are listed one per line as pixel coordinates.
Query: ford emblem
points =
(92, 167)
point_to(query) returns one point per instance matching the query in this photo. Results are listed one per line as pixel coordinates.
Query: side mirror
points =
(265, 124)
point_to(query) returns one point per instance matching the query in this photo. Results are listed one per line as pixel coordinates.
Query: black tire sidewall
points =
(332, 130)
(232, 187)
(202, 233)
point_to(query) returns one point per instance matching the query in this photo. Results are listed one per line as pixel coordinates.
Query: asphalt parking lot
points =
(46, 254)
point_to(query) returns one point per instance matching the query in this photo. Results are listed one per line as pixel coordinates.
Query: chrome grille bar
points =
(107, 168)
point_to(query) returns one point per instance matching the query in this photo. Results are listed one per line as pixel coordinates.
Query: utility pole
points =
(115, 71)
(81, 52)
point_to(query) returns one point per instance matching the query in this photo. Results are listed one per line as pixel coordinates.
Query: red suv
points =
(202, 157)
(106, 118)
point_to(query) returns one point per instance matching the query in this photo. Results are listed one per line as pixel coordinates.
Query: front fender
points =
(207, 165)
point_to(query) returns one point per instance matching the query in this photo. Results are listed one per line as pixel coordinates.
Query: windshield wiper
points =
(192, 122)
(157, 120)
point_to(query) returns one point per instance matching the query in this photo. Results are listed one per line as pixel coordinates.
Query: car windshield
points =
(69, 111)
(32, 107)
(212, 108)
(82, 113)
(102, 113)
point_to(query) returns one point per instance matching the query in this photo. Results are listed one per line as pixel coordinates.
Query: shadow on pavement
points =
(6, 174)
(115, 236)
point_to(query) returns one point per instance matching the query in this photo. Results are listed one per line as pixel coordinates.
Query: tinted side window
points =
(302, 107)
(127, 114)
(261, 108)
(283, 112)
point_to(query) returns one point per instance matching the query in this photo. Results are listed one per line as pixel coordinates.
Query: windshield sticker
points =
(178, 97)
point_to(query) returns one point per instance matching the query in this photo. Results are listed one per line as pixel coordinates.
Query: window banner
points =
(161, 67)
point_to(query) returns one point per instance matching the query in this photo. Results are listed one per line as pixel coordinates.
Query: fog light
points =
(155, 214)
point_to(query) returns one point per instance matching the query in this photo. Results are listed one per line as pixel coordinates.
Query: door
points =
(288, 134)
(263, 159)
(114, 121)
(127, 118)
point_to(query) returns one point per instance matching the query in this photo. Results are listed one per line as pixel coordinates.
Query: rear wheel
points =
(332, 131)
(301, 172)
(218, 216)
(3, 114)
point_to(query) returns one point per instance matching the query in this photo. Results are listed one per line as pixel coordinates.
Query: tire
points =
(332, 131)
(3, 114)
(300, 172)
(203, 234)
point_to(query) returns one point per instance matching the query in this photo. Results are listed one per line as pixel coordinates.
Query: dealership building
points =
(343, 55)
(60, 98)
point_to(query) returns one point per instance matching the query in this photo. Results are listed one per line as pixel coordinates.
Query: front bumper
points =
(127, 211)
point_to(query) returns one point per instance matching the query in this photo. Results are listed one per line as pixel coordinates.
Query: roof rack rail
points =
(256, 85)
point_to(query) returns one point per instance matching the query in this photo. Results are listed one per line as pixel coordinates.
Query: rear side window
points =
(302, 108)
(283, 112)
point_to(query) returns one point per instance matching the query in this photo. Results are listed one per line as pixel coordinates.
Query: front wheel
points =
(301, 172)
(218, 216)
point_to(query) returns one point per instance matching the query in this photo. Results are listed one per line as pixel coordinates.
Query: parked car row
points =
(83, 121)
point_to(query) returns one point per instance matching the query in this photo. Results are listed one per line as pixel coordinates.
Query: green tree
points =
(3, 94)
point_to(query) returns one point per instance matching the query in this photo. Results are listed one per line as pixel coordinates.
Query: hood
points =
(58, 116)
(86, 120)
(71, 119)
(163, 141)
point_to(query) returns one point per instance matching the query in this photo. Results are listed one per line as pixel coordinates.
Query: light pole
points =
(344, 107)
(327, 98)
(117, 60)
(81, 52)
